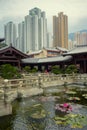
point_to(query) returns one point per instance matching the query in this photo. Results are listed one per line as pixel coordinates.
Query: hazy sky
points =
(15, 10)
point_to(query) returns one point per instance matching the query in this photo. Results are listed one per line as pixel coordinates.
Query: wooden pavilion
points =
(79, 54)
(10, 55)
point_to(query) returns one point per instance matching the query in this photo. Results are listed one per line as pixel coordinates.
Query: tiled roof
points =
(52, 49)
(62, 49)
(6, 48)
(46, 60)
(77, 50)
(35, 52)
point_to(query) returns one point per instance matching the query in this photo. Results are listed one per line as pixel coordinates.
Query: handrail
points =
(42, 78)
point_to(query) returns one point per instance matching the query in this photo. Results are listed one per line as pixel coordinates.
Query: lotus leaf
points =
(74, 98)
(38, 115)
(83, 89)
(76, 126)
(84, 95)
(60, 118)
(36, 105)
(73, 120)
(58, 122)
(37, 111)
(77, 120)
(70, 92)
(72, 115)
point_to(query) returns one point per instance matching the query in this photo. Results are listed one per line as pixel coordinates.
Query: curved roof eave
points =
(46, 60)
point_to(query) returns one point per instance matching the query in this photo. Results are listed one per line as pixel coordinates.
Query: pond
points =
(59, 108)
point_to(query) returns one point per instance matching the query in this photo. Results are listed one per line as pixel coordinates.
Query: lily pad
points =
(73, 120)
(77, 120)
(37, 111)
(74, 98)
(70, 92)
(83, 89)
(84, 95)
(38, 115)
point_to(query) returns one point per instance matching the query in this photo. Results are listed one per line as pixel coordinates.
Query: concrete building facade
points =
(35, 30)
(20, 39)
(80, 38)
(10, 33)
(60, 30)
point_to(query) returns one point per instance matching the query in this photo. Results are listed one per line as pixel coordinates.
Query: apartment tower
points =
(60, 30)
(80, 38)
(10, 33)
(35, 30)
(20, 38)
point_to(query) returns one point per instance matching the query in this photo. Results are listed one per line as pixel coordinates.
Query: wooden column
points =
(39, 67)
(19, 66)
(84, 66)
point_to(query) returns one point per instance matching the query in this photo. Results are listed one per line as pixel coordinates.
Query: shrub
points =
(70, 69)
(56, 69)
(34, 70)
(8, 71)
(27, 69)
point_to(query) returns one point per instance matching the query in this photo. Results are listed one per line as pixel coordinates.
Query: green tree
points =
(8, 71)
(56, 69)
(34, 70)
(27, 69)
(70, 69)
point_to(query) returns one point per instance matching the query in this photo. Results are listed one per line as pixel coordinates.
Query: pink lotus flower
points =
(65, 105)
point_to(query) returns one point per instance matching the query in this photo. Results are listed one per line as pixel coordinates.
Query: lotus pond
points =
(59, 108)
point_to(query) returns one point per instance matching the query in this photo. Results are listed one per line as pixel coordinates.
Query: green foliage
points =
(56, 69)
(70, 69)
(8, 71)
(73, 120)
(27, 69)
(34, 70)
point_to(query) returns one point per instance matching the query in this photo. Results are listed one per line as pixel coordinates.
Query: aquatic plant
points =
(85, 96)
(74, 98)
(73, 120)
(66, 107)
(37, 112)
(70, 92)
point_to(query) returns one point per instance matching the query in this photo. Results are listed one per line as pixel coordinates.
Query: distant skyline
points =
(16, 10)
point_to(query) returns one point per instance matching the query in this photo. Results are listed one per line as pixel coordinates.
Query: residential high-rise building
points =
(10, 33)
(20, 39)
(80, 38)
(84, 38)
(70, 44)
(49, 40)
(77, 38)
(35, 30)
(32, 32)
(60, 30)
